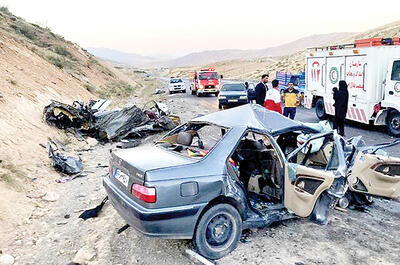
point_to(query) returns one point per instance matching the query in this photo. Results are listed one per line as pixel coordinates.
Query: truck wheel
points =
(320, 109)
(218, 231)
(393, 123)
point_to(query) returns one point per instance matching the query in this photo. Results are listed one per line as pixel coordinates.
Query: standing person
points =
(273, 98)
(291, 98)
(261, 90)
(341, 98)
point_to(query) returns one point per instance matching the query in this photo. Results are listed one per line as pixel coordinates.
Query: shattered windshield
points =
(193, 140)
(208, 75)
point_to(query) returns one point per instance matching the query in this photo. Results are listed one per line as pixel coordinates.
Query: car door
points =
(305, 183)
(376, 175)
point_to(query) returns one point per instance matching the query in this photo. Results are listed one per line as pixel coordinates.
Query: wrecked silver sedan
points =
(218, 174)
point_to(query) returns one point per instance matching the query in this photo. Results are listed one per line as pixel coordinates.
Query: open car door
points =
(376, 175)
(313, 173)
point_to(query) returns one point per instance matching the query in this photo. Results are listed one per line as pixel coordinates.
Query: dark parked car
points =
(232, 95)
(251, 91)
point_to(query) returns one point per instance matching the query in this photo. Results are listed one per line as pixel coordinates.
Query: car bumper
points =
(208, 91)
(232, 103)
(176, 89)
(172, 222)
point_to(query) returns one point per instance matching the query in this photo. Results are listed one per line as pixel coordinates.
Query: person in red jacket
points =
(273, 98)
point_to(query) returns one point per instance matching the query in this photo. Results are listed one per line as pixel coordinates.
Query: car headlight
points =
(243, 97)
(216, 86)
(201, 86)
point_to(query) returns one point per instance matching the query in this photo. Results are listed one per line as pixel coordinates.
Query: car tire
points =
(219, 106)
(320, 109)
(184, 91)
(198, 94)
(393, 123)
(218, 231)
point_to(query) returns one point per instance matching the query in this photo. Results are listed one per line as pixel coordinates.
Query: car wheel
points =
(393, 123)
(216, 94)
(184, 91)
(218, 231)
(320, 109)
(219, 106)
(198, 94)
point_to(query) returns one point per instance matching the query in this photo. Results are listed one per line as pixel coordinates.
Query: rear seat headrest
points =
(184, 138)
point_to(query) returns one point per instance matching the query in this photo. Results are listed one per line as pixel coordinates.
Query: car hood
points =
(152, 157)
(233, 93)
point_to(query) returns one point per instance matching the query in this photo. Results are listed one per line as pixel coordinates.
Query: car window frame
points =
(177, 129)
(341, 169)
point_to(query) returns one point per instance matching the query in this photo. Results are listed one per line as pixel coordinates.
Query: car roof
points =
(253, 116)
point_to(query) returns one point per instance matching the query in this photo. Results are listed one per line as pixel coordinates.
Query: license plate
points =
(121, 177)
(232, 100)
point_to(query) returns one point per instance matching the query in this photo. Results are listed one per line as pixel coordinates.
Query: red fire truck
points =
(205, 81)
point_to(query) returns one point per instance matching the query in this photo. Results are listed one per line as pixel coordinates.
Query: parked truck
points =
(298, 80)
(205, 81)
(371, 68)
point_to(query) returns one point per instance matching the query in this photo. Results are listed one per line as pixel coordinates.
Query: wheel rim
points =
(395, 123)
(220, 231)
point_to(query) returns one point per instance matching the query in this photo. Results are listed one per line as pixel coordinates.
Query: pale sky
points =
(177, 27)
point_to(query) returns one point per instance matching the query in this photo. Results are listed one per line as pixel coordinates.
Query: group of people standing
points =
(290, 98)
(272, 99)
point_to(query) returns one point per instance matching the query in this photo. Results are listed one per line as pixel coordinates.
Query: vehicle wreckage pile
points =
(93, 120)
(126, 125)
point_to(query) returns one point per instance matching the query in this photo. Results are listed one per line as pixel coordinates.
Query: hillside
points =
(37, 66)
(291, 62)
(210, 57)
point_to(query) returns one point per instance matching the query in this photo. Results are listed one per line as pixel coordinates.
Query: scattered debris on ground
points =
(92, 213)
(196, 258)
(93, 120)
(63, 163)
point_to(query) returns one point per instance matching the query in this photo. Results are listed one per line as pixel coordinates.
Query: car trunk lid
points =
(129, 166)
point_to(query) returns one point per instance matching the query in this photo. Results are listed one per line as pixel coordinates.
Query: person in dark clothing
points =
(261, 90)
(341, 98)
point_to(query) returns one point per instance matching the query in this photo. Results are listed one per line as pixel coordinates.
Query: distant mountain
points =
(131, 59)
(207, 57)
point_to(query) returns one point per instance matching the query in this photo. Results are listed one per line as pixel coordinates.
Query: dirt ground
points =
(53, 234)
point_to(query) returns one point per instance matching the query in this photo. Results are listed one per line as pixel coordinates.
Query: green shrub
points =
(4, 9)
(60, 62)
(12, 81)
(89, 87)
(118, 89)
(60, 50)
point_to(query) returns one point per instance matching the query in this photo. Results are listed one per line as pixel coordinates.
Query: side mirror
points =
(221, 76)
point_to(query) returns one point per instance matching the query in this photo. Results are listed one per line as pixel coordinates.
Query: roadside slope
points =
(37, 66)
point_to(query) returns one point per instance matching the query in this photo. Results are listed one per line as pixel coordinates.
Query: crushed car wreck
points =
(92, 119)
(223, 172)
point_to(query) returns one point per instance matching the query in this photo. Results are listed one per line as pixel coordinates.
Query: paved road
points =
(371, 134)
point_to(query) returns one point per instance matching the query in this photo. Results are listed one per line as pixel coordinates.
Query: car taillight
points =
(143, 193)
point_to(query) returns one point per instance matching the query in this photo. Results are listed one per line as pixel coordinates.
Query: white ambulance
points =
(371, 68)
